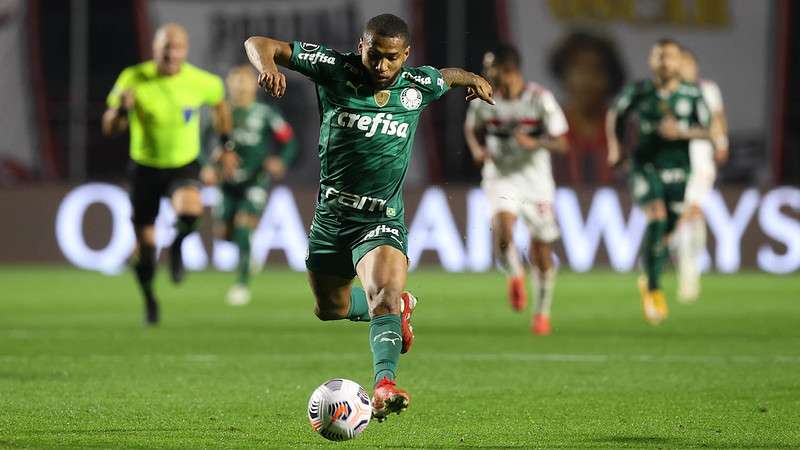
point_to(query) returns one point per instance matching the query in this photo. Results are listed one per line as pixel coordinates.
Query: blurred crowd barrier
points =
(88, 226)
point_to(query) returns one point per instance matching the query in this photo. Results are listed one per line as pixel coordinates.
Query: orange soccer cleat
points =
(541, 325)
(407, 304)
(516, 293)
(388, 399)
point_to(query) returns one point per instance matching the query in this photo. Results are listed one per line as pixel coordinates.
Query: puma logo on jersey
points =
(314, 58)
(381, 123)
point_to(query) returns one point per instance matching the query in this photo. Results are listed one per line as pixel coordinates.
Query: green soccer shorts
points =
(648, 183)
(336, 245)
(250, 198)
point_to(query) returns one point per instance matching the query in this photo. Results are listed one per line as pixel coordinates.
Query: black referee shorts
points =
(149, 184)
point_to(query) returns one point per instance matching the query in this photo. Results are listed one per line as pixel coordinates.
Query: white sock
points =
(543, 284)
(511, 262)
(691, 244)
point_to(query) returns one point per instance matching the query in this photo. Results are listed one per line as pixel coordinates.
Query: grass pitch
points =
(78, 370)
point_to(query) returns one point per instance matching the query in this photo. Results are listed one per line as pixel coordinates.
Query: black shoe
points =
(176, 269)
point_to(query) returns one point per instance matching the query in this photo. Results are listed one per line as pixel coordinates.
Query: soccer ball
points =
(339, 409)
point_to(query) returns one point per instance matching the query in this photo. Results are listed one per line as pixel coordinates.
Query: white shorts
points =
(505, 195)
(704, 172)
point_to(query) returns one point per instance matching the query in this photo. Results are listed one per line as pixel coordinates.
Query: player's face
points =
(383, 57)
(170, 48)
(242, 86)
(689, 71)
(665, 61)
(501, 75)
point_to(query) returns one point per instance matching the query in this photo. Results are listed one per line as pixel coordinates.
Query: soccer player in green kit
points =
(670, 113)
(244, 169)
(370, 105)
(159, 101)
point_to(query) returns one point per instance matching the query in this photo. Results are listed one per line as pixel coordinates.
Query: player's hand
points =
(613, 159)
(525, 140)
(127, 99)
(275, 167)
(481, 157)
(721, 155)
(230, 164)
(273, 82)
(669, 129)
(481, 89)
(208, 176)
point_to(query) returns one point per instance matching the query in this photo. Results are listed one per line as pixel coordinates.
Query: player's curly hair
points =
(388, 25)
(504, 54)
(578, 41)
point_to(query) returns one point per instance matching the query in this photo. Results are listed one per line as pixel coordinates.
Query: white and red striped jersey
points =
(536, 112)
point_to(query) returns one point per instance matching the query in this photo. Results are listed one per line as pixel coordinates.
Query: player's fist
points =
(274, 167)
(721, 155)
(525, 140)
(481, 157)
(208, 176)
(480, 88)
(669, 129)
(127, 100)
(229, 161)
(273, 82)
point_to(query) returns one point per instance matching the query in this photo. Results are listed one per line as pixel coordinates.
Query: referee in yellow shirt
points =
(159, 101)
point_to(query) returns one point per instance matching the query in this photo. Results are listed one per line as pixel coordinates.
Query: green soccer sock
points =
(241, 236)
(386, 341)
(654, 252)
(359, 308)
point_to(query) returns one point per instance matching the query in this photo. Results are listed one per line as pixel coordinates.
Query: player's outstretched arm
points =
(265, 55)
(612, 141)
(477, 87)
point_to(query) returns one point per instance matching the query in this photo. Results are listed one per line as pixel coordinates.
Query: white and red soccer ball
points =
(339, 409)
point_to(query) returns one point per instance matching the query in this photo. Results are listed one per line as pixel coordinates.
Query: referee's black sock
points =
(186, 225)
(145, 269)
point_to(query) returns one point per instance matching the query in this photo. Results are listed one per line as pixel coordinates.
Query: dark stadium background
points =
(69, 53)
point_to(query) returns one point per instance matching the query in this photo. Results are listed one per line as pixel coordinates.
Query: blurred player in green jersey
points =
(159, 101)
(245, 168)
(370, 104)
(670, 113)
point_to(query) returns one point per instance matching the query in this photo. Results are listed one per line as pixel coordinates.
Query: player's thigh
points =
(647, 191)
(184, 190)
(251, 206)
(331, 293)
(146, 189)
(383, 272)
(540, 218)
(328, 253)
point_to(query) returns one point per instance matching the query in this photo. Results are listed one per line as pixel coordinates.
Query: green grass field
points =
(78, 370)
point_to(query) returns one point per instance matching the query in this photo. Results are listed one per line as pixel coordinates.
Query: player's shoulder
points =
(689, 89)
(426, 78)
(142, 70)
(196, 72)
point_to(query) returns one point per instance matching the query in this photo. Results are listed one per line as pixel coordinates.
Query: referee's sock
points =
(145, 269)
(186, 225)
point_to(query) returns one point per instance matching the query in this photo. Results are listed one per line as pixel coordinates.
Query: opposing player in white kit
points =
(690, 239)
(513, 141)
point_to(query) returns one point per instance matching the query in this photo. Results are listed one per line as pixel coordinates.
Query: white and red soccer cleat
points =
(407, 304)
(388, 399)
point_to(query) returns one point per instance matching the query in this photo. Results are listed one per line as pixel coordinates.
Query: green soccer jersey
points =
(366, 134)
(255, 129)
(165, 124)
(651, 106)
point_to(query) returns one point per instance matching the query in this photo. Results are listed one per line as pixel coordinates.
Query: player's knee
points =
(384, 299)
(328, 313)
